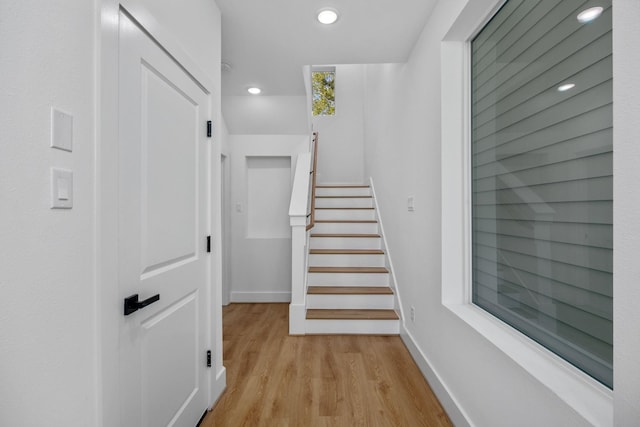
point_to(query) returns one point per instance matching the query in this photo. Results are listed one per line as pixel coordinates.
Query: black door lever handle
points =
(131, 304)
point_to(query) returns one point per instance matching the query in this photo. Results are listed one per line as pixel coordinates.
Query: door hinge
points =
(209, 128)
(208, 358)
(208, 243)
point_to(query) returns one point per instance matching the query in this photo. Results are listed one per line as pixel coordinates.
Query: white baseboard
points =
(260, 296)
(393, 282)
(448, 402)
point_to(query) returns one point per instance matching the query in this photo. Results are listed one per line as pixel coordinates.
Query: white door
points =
(163, 204)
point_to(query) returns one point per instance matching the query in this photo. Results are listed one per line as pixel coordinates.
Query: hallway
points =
(279, 380)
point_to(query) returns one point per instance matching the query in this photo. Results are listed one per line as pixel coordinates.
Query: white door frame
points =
(108, 305)
(226, 226)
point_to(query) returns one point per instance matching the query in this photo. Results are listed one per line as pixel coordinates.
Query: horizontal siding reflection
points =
(582, 190)
(569, 334)
(510, 16)
(580, 277)
(595, 235)
(527, 103)
(593, 121)
(529, 58)
(580, 103)
(582, 256)
(592, 212)
(597, 166)
(542, 177)
(537, 287)
(536, 154)
(546, 308)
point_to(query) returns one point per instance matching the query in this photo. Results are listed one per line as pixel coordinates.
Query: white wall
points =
(402, 154)
(266, 115)
(626, 101)
(47, 290)
(340, 144)
(261, 265)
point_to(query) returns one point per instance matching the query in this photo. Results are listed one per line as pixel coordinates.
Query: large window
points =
(542, 177)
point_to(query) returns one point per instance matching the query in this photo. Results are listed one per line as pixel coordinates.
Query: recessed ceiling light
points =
(328, 16)
(590, 14)
(254, 90)
(565, 87)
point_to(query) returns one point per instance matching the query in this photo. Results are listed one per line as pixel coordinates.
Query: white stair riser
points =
(344, 243)
(346, 260)
(345, 214)
(343, 191)
(348, 279)
(345, 227)
(346, 302)
(344, 203)
(364, 327)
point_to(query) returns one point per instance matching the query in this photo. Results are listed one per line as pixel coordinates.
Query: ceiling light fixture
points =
(254, 90)
(590, 14)
(328, 16)
(565, 87)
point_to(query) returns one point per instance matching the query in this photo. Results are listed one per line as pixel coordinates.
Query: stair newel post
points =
(297, 308)
(301, 200)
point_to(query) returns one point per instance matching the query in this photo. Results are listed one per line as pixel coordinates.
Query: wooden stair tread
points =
(346, 221)
(345, 235)
(344, 197)
(349, 290)
(342, 186)
(348, 270)
(369, 209)
(352, 314)
(346, 252)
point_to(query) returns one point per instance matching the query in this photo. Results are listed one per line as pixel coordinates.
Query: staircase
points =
(348, 283)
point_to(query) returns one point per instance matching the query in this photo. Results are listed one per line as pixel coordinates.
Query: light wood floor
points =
(277, 380)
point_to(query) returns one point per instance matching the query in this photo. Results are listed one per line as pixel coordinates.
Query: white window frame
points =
(586, 396)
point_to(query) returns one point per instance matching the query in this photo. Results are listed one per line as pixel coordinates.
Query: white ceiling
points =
(268, 41)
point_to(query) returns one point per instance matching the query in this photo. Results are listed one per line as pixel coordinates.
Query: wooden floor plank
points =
(274, 379)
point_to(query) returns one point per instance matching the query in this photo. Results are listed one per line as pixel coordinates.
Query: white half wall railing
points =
(301, 219)
(298, 210)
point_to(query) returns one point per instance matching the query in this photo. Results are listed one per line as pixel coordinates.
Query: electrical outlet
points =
(413, 314)
(411, 203)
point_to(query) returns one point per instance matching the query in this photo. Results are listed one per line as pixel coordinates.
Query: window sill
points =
(586, 396)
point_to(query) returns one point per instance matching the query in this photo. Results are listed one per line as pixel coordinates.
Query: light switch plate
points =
(61, 188)
(411, 203)
(61, 130)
